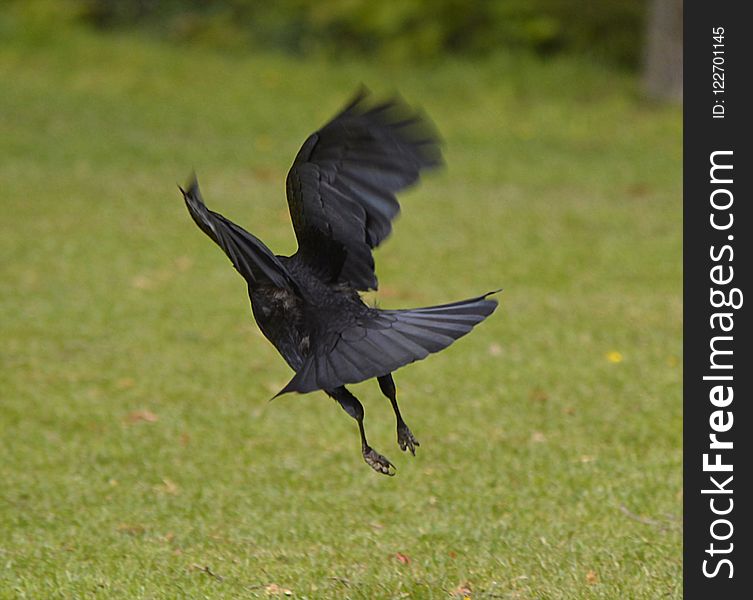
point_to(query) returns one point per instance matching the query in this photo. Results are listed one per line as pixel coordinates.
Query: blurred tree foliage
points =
(420, 29)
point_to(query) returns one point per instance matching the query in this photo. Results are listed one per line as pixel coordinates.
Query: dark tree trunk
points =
(662, 75)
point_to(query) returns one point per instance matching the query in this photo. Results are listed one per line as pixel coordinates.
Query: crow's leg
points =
(353, 407)
(405, 438)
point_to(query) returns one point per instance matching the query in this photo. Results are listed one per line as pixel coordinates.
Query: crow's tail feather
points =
(390, 339)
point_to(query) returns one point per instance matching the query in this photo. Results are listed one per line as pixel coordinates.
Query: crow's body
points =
(341, 193)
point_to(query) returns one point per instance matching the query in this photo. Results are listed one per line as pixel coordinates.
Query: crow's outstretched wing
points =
(249, 255)
(342, 185)
(384, 341)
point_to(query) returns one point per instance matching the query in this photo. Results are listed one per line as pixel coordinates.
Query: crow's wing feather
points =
(385, 341)
(342, 185)
(251, 258)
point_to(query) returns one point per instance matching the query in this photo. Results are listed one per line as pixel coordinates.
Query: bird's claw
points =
(405, 439)
(378, 462)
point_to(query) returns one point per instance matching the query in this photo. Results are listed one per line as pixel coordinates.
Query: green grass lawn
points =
(140, 455)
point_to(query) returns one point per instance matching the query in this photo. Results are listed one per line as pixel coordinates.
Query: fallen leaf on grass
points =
(464, 590)
(404, 559)
(639, 189)
(592, 578)
(167, 487)
(538, 395)
(125, 383)
(275, 590)
(131, 528)
(141, 415)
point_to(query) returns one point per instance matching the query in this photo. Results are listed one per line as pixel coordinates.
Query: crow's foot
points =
(405, 439)
(378, 462)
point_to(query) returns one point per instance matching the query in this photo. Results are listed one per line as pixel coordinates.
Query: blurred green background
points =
(141, 458)
(409, 29)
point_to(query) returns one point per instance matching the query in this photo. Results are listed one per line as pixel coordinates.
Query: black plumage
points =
(341, 194)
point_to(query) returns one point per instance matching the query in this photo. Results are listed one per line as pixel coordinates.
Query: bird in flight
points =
(341, 195)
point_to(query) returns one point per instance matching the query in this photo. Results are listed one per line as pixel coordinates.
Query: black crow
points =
(341, 195)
